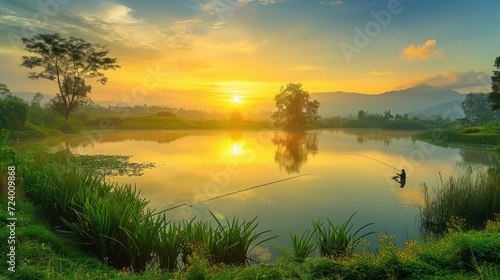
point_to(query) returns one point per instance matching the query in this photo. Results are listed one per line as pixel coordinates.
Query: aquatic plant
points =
(229, 243)
(168, 245)
(302, 246)
(338, 240)
(473, 197)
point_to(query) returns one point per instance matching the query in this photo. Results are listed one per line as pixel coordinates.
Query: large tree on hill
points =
(295, 109)
(494, 95)
(67, 62)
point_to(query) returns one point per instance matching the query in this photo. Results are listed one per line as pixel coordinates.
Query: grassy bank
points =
(44, 254)
(72, 224)
(479, 136)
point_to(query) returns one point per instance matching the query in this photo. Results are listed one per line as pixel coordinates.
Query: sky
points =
(209, 54)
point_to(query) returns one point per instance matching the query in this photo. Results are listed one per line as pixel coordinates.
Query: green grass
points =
(473, 136)
(338, 240)
(41, 253)
(467, 201)
(302, 247)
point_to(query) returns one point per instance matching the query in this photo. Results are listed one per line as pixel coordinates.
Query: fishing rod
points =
(388, 165)
(231, 193)
(375, 160)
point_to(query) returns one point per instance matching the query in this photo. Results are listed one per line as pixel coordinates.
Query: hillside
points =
(452, 110)
(398, 102)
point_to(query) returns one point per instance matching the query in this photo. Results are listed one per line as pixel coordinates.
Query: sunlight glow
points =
(236, 149)
(237, 99)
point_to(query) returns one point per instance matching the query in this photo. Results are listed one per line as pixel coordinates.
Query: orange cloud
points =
(426, 50)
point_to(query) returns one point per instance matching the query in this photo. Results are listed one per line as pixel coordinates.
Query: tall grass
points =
(113, 221)
(338, 240)
(169, 245)
(302, 246)
(472, 198)
(229, 243)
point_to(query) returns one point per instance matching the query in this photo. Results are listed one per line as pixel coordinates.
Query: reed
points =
(338, 240)
(473, 197)
(168, 246)
(229, 243)
(112, 225)
(302, 246)
(236, 240)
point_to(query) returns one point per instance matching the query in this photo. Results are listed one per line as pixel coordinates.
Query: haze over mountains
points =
(421, 101)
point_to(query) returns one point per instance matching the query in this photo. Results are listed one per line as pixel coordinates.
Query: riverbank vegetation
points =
(71, 223)
(487, 135)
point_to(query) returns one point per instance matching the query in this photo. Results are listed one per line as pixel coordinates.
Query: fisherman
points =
(402, 178)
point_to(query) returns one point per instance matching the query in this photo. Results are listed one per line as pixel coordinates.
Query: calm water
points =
(347, 171)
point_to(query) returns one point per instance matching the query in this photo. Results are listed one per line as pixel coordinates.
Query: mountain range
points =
(421, 100)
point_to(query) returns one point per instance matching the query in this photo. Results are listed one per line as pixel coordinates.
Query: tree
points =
(13, 110)
(294, 107)
(67, 62)
(236, 118)
(4, 90)
(477, 105)
(494, 95)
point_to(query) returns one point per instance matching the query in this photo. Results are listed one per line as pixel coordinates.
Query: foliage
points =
(230, 243)
(294, 108)
(169, 245)
(476, 105)
(337, 240)
(236, 118)
(494, 95)
(450, 136)
(68, 62)
(301, 246)
(472, 198)
(13, 110)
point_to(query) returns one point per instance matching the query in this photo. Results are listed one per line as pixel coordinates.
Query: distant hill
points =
(398, 102)
(452, 110)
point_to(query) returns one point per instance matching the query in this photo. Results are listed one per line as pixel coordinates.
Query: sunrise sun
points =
(236, 99)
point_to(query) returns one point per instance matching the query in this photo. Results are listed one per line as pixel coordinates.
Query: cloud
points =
(100, 20)
(113, 13)
(332, 2)
(426, 50)
(224, 8)
(460, 80)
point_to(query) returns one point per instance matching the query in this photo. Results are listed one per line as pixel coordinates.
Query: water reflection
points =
(293, 148)
(476, 158)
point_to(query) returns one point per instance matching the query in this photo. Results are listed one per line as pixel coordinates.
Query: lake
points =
(341, 172)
